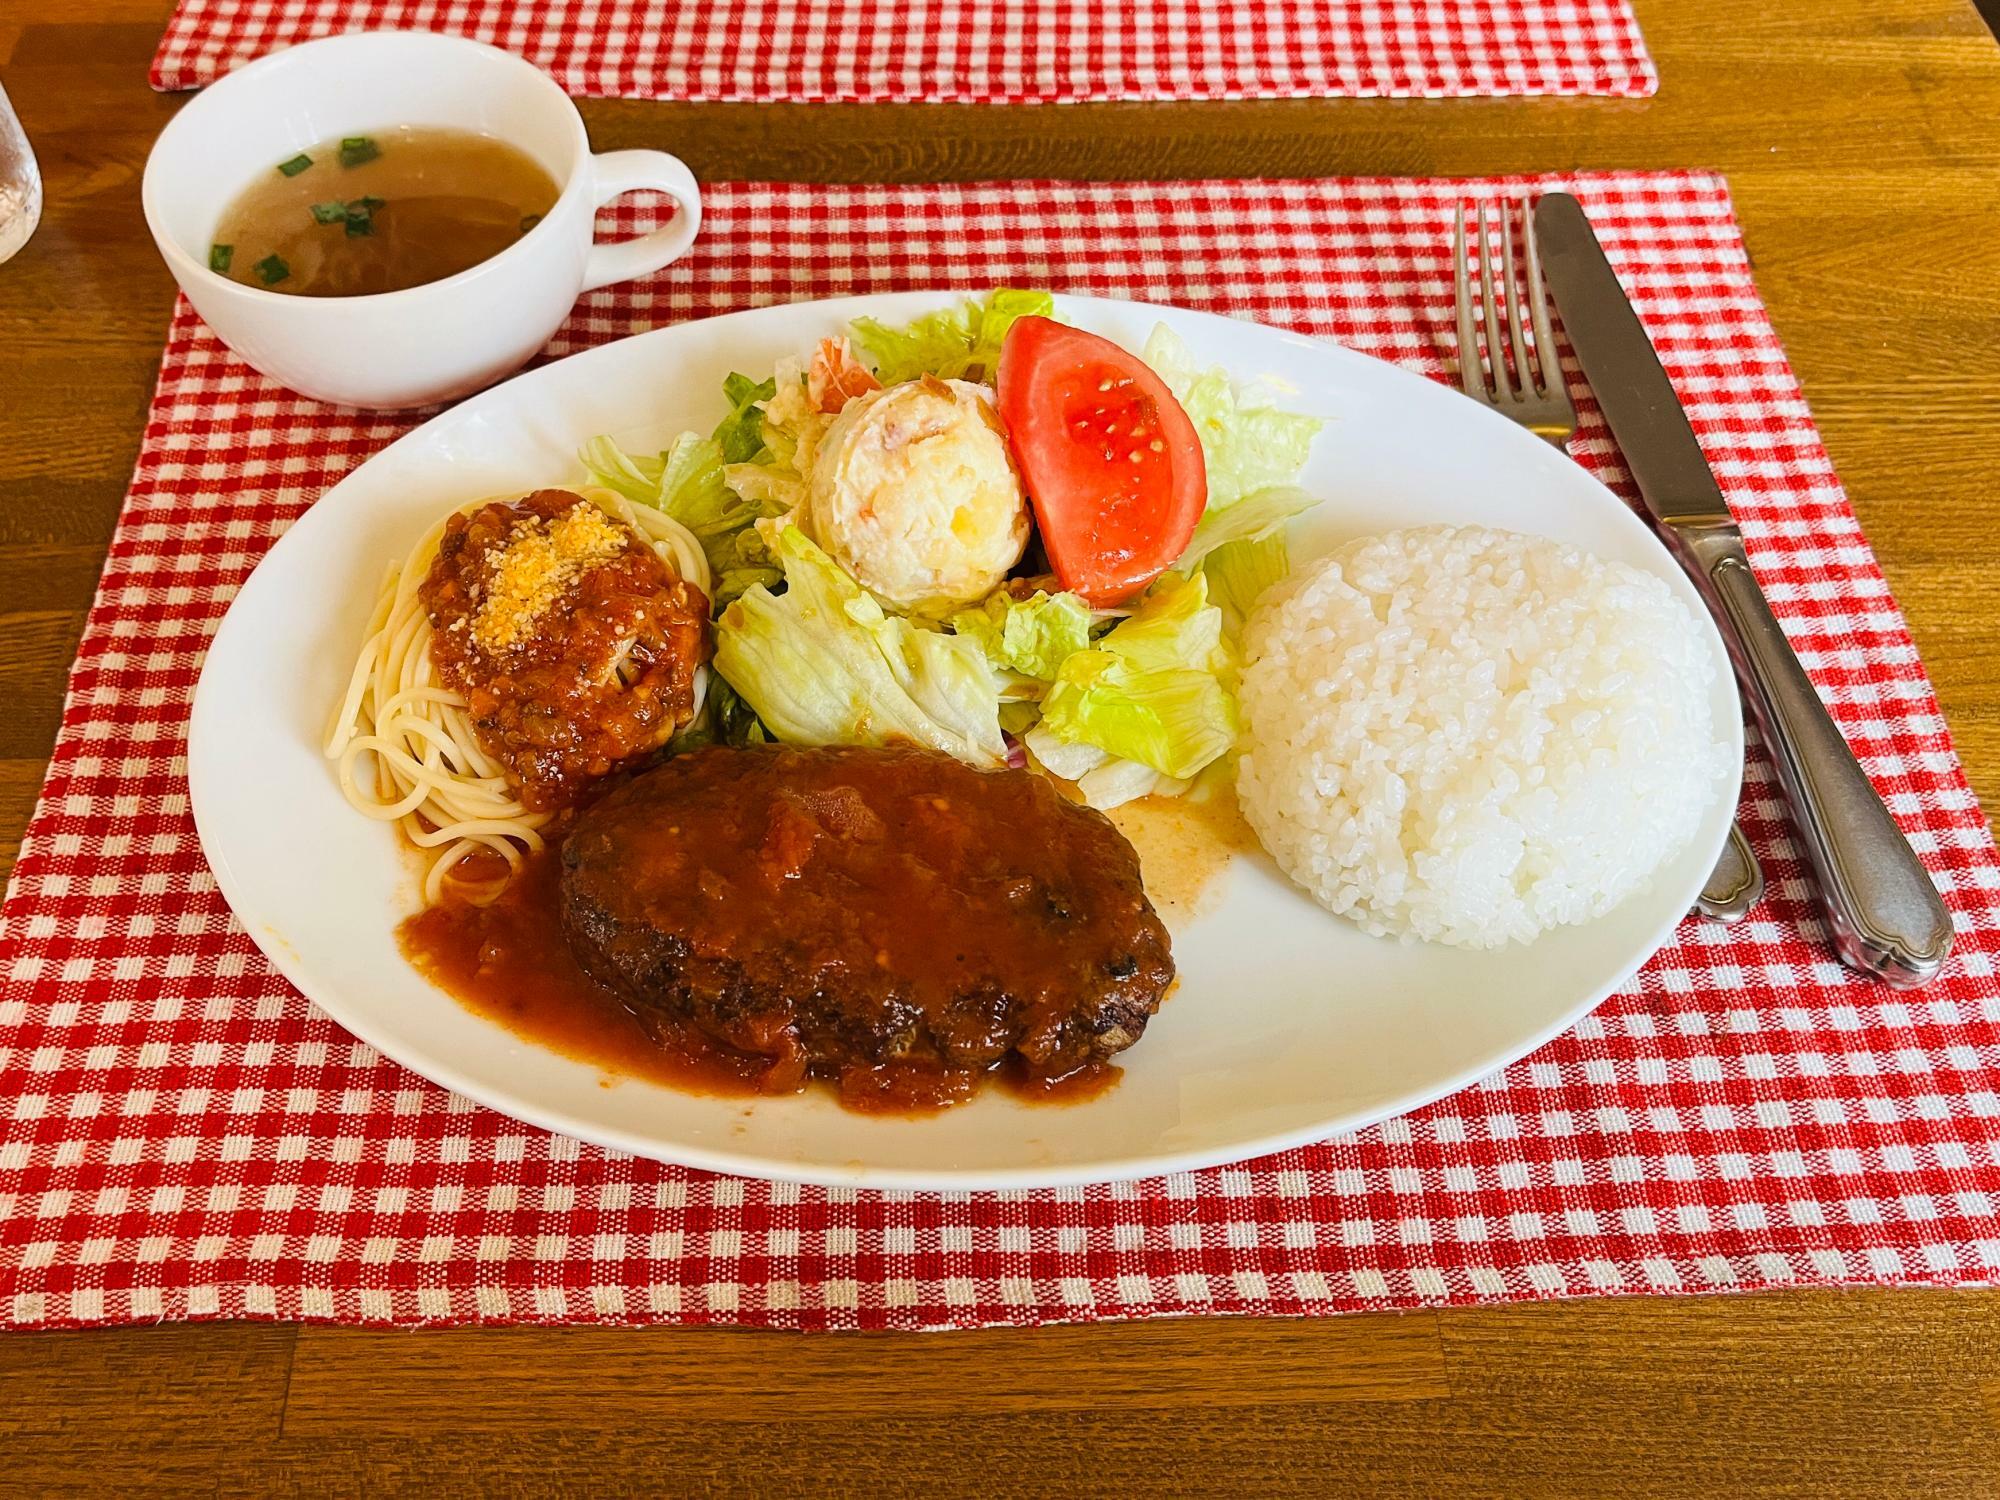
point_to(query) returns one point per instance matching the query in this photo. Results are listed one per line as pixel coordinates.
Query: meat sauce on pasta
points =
(575, 647)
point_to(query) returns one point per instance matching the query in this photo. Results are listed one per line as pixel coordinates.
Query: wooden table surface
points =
(1862, 141)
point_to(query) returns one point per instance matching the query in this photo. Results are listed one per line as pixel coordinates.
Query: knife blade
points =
(1885, 915)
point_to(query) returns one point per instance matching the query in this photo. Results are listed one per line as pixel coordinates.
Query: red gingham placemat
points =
(978, 51)
(181, 1135)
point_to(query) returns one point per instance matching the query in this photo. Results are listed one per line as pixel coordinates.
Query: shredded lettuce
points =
(1239, 572)
(821, 664)
(956, 343)
(731, 720)
(1252, 518)
(780, 426)
(1119, 781)
(739, 563)
(1175, 720)
(687, 482)
(1241, 549)
(1018, 715)
(637, 479)
(740, 435)
(1031, 636)
(1103, 780)
(1254, 454)
(725, 719)
(691, 487)
(1151, 689)
(1246, 447)
(1072, 760)
(1174, 626)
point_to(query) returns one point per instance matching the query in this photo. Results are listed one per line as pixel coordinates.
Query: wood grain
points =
(178, 1385)
(1806, 1394)
(1859, 142)
(631, 1384)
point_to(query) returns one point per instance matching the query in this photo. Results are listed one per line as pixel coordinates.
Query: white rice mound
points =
(1470, 736)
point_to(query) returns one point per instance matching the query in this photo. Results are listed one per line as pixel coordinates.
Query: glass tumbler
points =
(20, 183)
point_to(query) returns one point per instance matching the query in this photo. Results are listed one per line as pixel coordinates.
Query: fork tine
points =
(1516, 321)
(1538, 301)
(1496, 354)
(1469, 375)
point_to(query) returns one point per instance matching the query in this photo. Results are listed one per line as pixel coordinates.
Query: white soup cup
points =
(427, 343)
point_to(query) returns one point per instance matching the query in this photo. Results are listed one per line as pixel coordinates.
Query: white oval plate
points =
(1289, 1024)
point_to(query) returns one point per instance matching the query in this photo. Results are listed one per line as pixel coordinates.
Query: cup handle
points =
(616, 172)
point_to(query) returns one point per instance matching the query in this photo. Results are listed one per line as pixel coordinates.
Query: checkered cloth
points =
(181, 1135)
(979, 51)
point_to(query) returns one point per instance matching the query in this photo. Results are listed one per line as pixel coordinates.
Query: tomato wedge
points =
(1112, 464)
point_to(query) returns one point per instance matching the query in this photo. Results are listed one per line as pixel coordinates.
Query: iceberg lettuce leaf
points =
(1150, 690)
(1246, 446)
(1175, 720)
(1031, 636)
(1257, 515)
(1174, 626)
(954, 343)
(1239, 572)
(822, 664)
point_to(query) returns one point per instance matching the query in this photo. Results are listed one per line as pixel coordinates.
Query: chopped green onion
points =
(529, 221)
(372, 203)
(359, 225)
(296, 165)
(330, 212)
(271, 270)
(219, 257)
(355, 149)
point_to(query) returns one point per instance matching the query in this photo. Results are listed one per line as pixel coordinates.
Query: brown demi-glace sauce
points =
(867, 915)
(509, 961)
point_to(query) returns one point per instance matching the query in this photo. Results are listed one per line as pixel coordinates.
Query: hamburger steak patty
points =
(856, 913)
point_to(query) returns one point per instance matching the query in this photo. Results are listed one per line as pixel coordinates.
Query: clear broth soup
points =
(380, 212)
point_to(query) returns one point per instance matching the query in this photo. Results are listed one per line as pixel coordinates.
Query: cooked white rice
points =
(1471, 736)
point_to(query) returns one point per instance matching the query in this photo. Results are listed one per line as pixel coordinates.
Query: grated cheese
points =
(538, 565)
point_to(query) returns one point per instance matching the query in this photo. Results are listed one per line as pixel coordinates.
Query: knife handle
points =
(1886, 916)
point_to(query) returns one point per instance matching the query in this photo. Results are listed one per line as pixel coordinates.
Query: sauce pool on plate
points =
(1184, 845)
(380, 212)
(507, 960)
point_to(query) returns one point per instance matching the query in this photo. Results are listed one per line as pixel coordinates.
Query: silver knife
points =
(1886, 916)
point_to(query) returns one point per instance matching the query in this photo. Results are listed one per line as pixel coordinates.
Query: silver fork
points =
(1534, 394)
